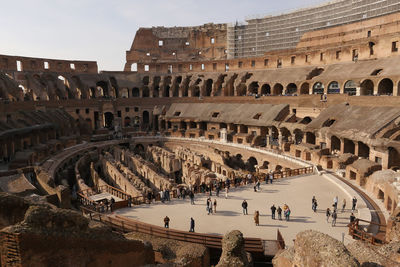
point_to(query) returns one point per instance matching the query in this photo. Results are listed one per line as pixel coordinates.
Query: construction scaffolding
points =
(259, 35)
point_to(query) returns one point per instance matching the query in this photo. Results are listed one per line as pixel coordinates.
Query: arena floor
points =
(296, 192)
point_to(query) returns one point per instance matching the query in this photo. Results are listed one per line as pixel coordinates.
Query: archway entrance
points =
(108, 120)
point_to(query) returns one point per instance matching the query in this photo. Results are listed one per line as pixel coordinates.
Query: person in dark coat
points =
(334, 217)
(273, 209)
(244, 206)
(352, 218)
(328, 214)
(279, 210)
(166, 222)
(191, 225)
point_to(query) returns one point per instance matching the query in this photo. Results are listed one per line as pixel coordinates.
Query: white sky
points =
(102, 30)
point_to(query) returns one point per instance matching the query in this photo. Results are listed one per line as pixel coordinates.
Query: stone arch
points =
(251, 163)
(124, 93)
(135, 92)
(104, 86)
(349, 146)
(208, 87)
(318, 88)
(394, 157)
(305, 89)
(363, 150)
(385, 87)
(334, 88)
(310, 138)
(265, 89)
(335, 143)
(291, 89)
(350, 87)
(253, 88)
(298, 136)
(175, 86)
(278, 89)
(145, 92)
(146, 117)
(108, 120)
(241, 89)
(367, 87)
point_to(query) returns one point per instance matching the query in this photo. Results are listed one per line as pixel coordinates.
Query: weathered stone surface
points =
(48, 236)
(313, 248)
(174, 252)
(370, 255)
(393, 227)
(233, 253)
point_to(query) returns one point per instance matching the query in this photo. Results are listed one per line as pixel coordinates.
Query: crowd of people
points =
(334, 212)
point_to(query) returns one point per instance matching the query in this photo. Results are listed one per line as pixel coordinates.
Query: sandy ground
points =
(296, 192)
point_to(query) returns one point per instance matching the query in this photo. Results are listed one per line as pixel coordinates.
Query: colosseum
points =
(184, 157)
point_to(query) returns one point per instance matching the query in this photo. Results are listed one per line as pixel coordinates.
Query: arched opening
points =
(156, 91)
(265, 89)
(145, 92)
(92, 92)
(385, 87)
(166, 91)
(367, 88)
(146, 117)
(310, 138)
(334, 88)
(253, 88)
(209, 86)
(278, 89)
(306, 120)
(314, 73)
(394, 158)
(104, 86)
(241, 89)
(291, 89)
(278, 168)
(108, 120)
(335, 143)
(265, 165)
(127, 122)
(328, 123)
(305, 89)
(114, 86)
(285, 134)
(350, 88)
(381, 195)
(349, 146)
(259, 141)
(251, 163)
(318, 88)
(175, 86)
(363, 150)
(135, 92)
(298, 136)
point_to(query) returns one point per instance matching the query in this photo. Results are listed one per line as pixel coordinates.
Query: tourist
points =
(352, 218)
(279, 211)
(217, 190)
(209, 205)
(334, 217)
(271, 177)
(244, 206)
(287, 214)
(335, 202)
(315, 205)
(191, 225)
(255, 188)
(273, 209)
(343, 204)
(215, 206)
(167, 195)
(266, 178)
(258, 185)
(112, 204)
(249, 178)
(178, 193)
(353, 207)
(226, 192)
(257, 218)
(328, 214)
(191, 195)
(312, 202)
(166, 222)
